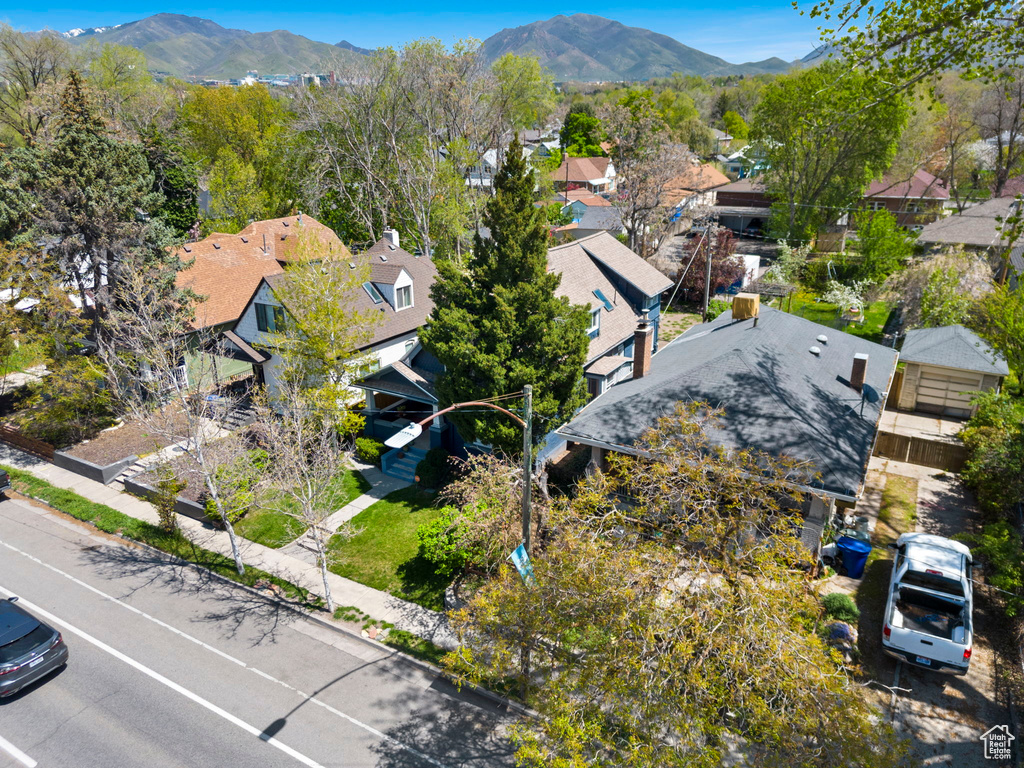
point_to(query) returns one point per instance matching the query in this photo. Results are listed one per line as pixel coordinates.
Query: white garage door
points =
(947, 393)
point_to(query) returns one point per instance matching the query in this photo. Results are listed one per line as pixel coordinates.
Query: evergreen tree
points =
(94, 198)
(175, 178)
(498, 325)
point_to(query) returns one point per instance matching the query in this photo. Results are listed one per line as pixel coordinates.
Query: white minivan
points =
(928, 613)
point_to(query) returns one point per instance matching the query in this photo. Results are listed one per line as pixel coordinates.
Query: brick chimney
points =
(643, 344)
(860, 371)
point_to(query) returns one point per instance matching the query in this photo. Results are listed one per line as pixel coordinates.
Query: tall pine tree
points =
(498, 325)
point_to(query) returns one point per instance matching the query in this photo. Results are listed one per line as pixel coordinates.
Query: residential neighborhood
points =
(574, 397)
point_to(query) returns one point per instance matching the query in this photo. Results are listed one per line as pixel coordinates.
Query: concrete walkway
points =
(407, 616)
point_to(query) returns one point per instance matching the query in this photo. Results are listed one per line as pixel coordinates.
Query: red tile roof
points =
(922, 185)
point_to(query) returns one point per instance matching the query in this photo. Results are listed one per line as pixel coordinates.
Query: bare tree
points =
(160, 373)
(646, 158)
(28, 62)
(1001, 121)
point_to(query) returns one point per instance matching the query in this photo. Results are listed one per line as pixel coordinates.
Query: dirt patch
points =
(185, 468)
(130, 439)
(674, 323)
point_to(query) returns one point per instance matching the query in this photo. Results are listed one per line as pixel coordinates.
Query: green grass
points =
(111, 520)
(24, 357)
(876, 315)
(270, 528)
(274, 528)
(385, 554)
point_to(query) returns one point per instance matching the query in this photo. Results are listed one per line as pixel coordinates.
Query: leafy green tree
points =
(884, 245)
(735, 126)
(582, 133)
(498, 325)
(821, 153)
(236, 197)
(30, 63)
(994, 439)
(999, 319)
(943, 302)
(667, 630)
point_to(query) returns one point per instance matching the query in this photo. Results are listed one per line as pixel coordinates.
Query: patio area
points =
(921, 425)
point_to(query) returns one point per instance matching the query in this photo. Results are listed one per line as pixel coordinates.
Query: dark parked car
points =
(29, 649)
(5, 483)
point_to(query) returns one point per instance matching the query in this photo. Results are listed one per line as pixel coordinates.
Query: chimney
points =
(860, 371)
(643, 342)
(391, 235)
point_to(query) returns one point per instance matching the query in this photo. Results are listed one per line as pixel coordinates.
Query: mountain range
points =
(578, 47)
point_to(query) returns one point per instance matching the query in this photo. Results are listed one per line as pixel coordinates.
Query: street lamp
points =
(407, 434)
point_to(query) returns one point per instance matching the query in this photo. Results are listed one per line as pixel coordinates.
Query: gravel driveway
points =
(946, 715)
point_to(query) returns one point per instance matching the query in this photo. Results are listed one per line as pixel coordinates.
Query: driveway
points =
(945, 716)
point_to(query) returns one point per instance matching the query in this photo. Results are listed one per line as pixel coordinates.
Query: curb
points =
(423, 666)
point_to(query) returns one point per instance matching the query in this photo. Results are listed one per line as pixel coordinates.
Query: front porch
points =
(396, 397)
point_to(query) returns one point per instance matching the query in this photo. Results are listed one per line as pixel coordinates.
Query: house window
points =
(404, 297)
(270, 319)
(409, 345)
(595, 323)
(593, 387)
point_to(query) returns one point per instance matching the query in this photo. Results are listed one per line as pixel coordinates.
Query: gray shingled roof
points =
(777, 396)
(952, 346)
(621, 260)
(976, 226)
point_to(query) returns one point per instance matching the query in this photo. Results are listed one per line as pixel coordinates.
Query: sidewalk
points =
(428, 624)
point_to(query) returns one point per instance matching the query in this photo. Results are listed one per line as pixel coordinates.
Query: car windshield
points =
(933, 581)
(38, 636)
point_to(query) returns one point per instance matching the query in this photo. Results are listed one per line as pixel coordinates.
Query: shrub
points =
(840, 606)
(435, 469)
(1000, 547)
(370, 450)
(441, 542)
(994, 439)
(717, 307)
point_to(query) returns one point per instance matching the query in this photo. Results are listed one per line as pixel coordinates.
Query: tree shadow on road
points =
(235, 610)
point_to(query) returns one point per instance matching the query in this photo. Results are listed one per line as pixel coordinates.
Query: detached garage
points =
(945, 368)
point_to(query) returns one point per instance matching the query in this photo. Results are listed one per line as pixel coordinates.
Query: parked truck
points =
(928, 612)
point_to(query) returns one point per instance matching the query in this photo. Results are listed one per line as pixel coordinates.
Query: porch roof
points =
(401, 380)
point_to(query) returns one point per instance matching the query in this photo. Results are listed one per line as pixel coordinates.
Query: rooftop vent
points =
(383, 257)
(187, 249)
(351, 265)
(815, 351)
(217, 246)
(245, 239)
(391, 247)
(285, 223)
(822, 338)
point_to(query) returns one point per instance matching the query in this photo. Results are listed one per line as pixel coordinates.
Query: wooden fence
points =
(925, 453)
(25, 443)
(893, 401)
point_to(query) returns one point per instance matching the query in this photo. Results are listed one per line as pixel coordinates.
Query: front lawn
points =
(273, 527)
(22, 358)
(876, 315)
(385, 553)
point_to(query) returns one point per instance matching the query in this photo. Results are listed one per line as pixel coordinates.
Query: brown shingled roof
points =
(582, 169)
(696, 178)
(282, 235)
(225, 271)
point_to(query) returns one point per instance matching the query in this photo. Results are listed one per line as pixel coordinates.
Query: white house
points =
(398, 288)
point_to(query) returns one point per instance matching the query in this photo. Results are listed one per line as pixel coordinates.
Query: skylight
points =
(373, 292)
(601, 297)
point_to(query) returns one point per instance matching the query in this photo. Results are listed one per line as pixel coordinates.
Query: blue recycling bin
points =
(854, 554)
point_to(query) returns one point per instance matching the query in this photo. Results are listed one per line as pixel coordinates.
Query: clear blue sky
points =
(747, 30)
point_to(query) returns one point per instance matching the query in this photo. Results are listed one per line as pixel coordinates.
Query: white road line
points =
(368, 728)
(16, 753)
(169, 683)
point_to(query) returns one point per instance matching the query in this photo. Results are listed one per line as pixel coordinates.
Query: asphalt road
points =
(172, 668)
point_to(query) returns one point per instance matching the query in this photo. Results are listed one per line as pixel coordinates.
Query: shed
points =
(945, 368)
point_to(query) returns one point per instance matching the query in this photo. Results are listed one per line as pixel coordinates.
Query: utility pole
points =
(707, 278)
(527, 462)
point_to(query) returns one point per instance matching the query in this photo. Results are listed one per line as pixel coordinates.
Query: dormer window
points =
(595, 323)
(403, 297)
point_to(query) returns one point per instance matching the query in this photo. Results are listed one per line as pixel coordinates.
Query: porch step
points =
(403, 467)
